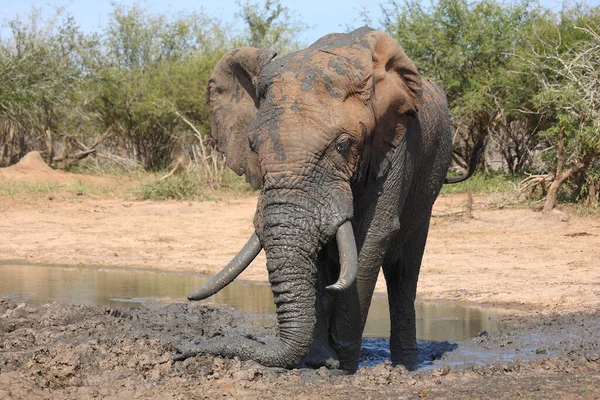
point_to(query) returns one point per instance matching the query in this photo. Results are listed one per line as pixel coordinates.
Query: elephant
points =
(349, 147)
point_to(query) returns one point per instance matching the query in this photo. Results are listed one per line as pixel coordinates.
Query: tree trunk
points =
(469, 210)
(49, 146)
(592, 200)
(560, 176)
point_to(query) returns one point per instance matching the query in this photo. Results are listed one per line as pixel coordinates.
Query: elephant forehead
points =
(296, 126)
(313, 115)
(308, 99)
(307, 96)
(328, 74)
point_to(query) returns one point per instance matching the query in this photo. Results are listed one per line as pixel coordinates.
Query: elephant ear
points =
(397, 96)
(233, 103)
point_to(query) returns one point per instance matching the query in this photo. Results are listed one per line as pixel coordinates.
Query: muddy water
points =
(436, 320)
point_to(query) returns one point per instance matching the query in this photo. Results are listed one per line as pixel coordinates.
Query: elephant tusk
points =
(348, 257)
(231, 271)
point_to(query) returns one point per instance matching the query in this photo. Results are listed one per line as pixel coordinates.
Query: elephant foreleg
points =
(346, 332)
(352, 306)
(401, 272)
(321, 352)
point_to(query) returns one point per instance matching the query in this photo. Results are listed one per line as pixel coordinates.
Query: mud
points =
(81, 352)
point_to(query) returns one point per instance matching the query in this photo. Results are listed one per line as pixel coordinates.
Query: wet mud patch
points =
(80, 352)
(550, 337)
(376, 351)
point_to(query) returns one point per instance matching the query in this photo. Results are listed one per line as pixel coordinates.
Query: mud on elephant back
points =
(349, 146)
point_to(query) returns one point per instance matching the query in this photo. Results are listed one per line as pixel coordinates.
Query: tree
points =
(41, 79)
(154, 70)
(466, 48)
(272, 27)
(566, 60)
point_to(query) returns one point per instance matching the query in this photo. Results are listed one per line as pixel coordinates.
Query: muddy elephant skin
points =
(350, 147)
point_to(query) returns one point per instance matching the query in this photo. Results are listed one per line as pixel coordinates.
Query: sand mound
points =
(32, 161)
(32, 167)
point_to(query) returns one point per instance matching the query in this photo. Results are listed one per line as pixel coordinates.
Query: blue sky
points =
(324, 16)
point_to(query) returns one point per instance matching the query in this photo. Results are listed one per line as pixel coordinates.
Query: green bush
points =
(184, 186)
(484, 183)
(196, 182)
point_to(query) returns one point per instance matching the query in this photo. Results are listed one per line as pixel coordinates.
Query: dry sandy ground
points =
(501, 256)
(546, 265)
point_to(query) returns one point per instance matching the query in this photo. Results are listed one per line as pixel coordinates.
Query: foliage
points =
(41, 75)
(514, 73)
(522, 76)
(272, 27)
(565, 63)
(190, 184)
(142, 79)
(484, 183)
(466, 48)
(178, 187)
(154, 68)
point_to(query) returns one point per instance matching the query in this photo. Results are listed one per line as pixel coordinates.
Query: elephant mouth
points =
(348, 257)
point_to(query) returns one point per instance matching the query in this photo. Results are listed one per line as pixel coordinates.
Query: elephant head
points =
(308, 129)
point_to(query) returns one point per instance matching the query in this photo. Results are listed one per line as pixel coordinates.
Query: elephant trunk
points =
(291, 241)
(291, 263)
(291, 245)
(292, 280)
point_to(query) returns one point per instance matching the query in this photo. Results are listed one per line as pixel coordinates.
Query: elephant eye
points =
(342, 146)
(412, 113)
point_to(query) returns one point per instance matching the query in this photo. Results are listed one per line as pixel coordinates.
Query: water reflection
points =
(126, 287)
(437, 320)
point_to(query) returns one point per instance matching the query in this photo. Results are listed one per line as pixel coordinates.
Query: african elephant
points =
(350, 147)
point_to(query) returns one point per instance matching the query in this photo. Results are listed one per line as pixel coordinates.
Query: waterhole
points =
(436, 320)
